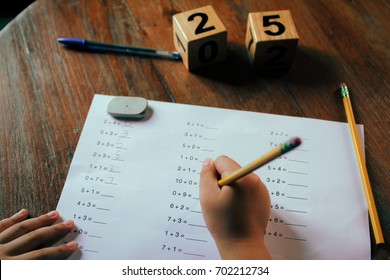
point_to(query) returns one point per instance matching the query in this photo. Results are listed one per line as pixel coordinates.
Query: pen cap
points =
(73, 42)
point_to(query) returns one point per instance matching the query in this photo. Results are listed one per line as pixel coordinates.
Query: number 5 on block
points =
(200, 37)
(271, 40)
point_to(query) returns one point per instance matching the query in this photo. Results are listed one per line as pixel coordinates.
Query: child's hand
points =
(22, 238)
(237, 214)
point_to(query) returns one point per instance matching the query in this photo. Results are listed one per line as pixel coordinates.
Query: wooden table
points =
(46, 90)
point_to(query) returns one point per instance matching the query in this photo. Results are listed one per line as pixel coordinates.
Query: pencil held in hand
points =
(277, 152)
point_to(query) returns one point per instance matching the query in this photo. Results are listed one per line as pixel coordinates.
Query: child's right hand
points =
(237, 214)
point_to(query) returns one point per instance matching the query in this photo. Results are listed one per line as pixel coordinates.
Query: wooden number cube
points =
(200, 37)
(271, 40)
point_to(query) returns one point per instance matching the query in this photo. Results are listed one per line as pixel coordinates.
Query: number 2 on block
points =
(201, 26)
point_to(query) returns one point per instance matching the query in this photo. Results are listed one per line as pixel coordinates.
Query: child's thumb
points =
(208, 176)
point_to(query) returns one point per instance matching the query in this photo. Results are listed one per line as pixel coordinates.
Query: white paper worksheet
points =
(133, 186)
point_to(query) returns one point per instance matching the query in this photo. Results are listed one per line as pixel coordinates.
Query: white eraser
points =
(127, 107)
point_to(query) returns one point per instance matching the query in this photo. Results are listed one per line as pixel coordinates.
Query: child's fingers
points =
(37, 238)
(225, 165)
(16, 218)
(208, 178)
(26, 226)
(57, 253)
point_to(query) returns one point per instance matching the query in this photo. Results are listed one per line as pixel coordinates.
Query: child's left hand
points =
(22, 238)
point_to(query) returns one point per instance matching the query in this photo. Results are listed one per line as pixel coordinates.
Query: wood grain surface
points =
(46, 89)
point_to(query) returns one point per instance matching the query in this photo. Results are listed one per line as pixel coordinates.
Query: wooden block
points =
(271, 40)
(200, 37)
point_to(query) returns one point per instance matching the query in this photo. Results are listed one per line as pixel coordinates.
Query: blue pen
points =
(91, 46)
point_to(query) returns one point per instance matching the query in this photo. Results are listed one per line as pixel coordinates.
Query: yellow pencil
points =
(241, 172)
(362, 166)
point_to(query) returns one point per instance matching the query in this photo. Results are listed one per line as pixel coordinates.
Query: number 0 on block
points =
(200, 37)
(271, 40)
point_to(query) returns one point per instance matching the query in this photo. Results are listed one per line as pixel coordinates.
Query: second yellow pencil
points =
(376, 227)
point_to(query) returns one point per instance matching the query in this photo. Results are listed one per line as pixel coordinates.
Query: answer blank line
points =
(114, 171)
(296, 239)
(298, 185)
(104, 209)
(300, 150)
(106, 195)
(92, 251)
(194, 225)
(295, 225)
(296, 197)
(296, 172)
(97, 222)
(296, 211)
(295, 160)
(192, 254)
(95, 236)
(121, 148)
(110, 183)
(199, 240)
